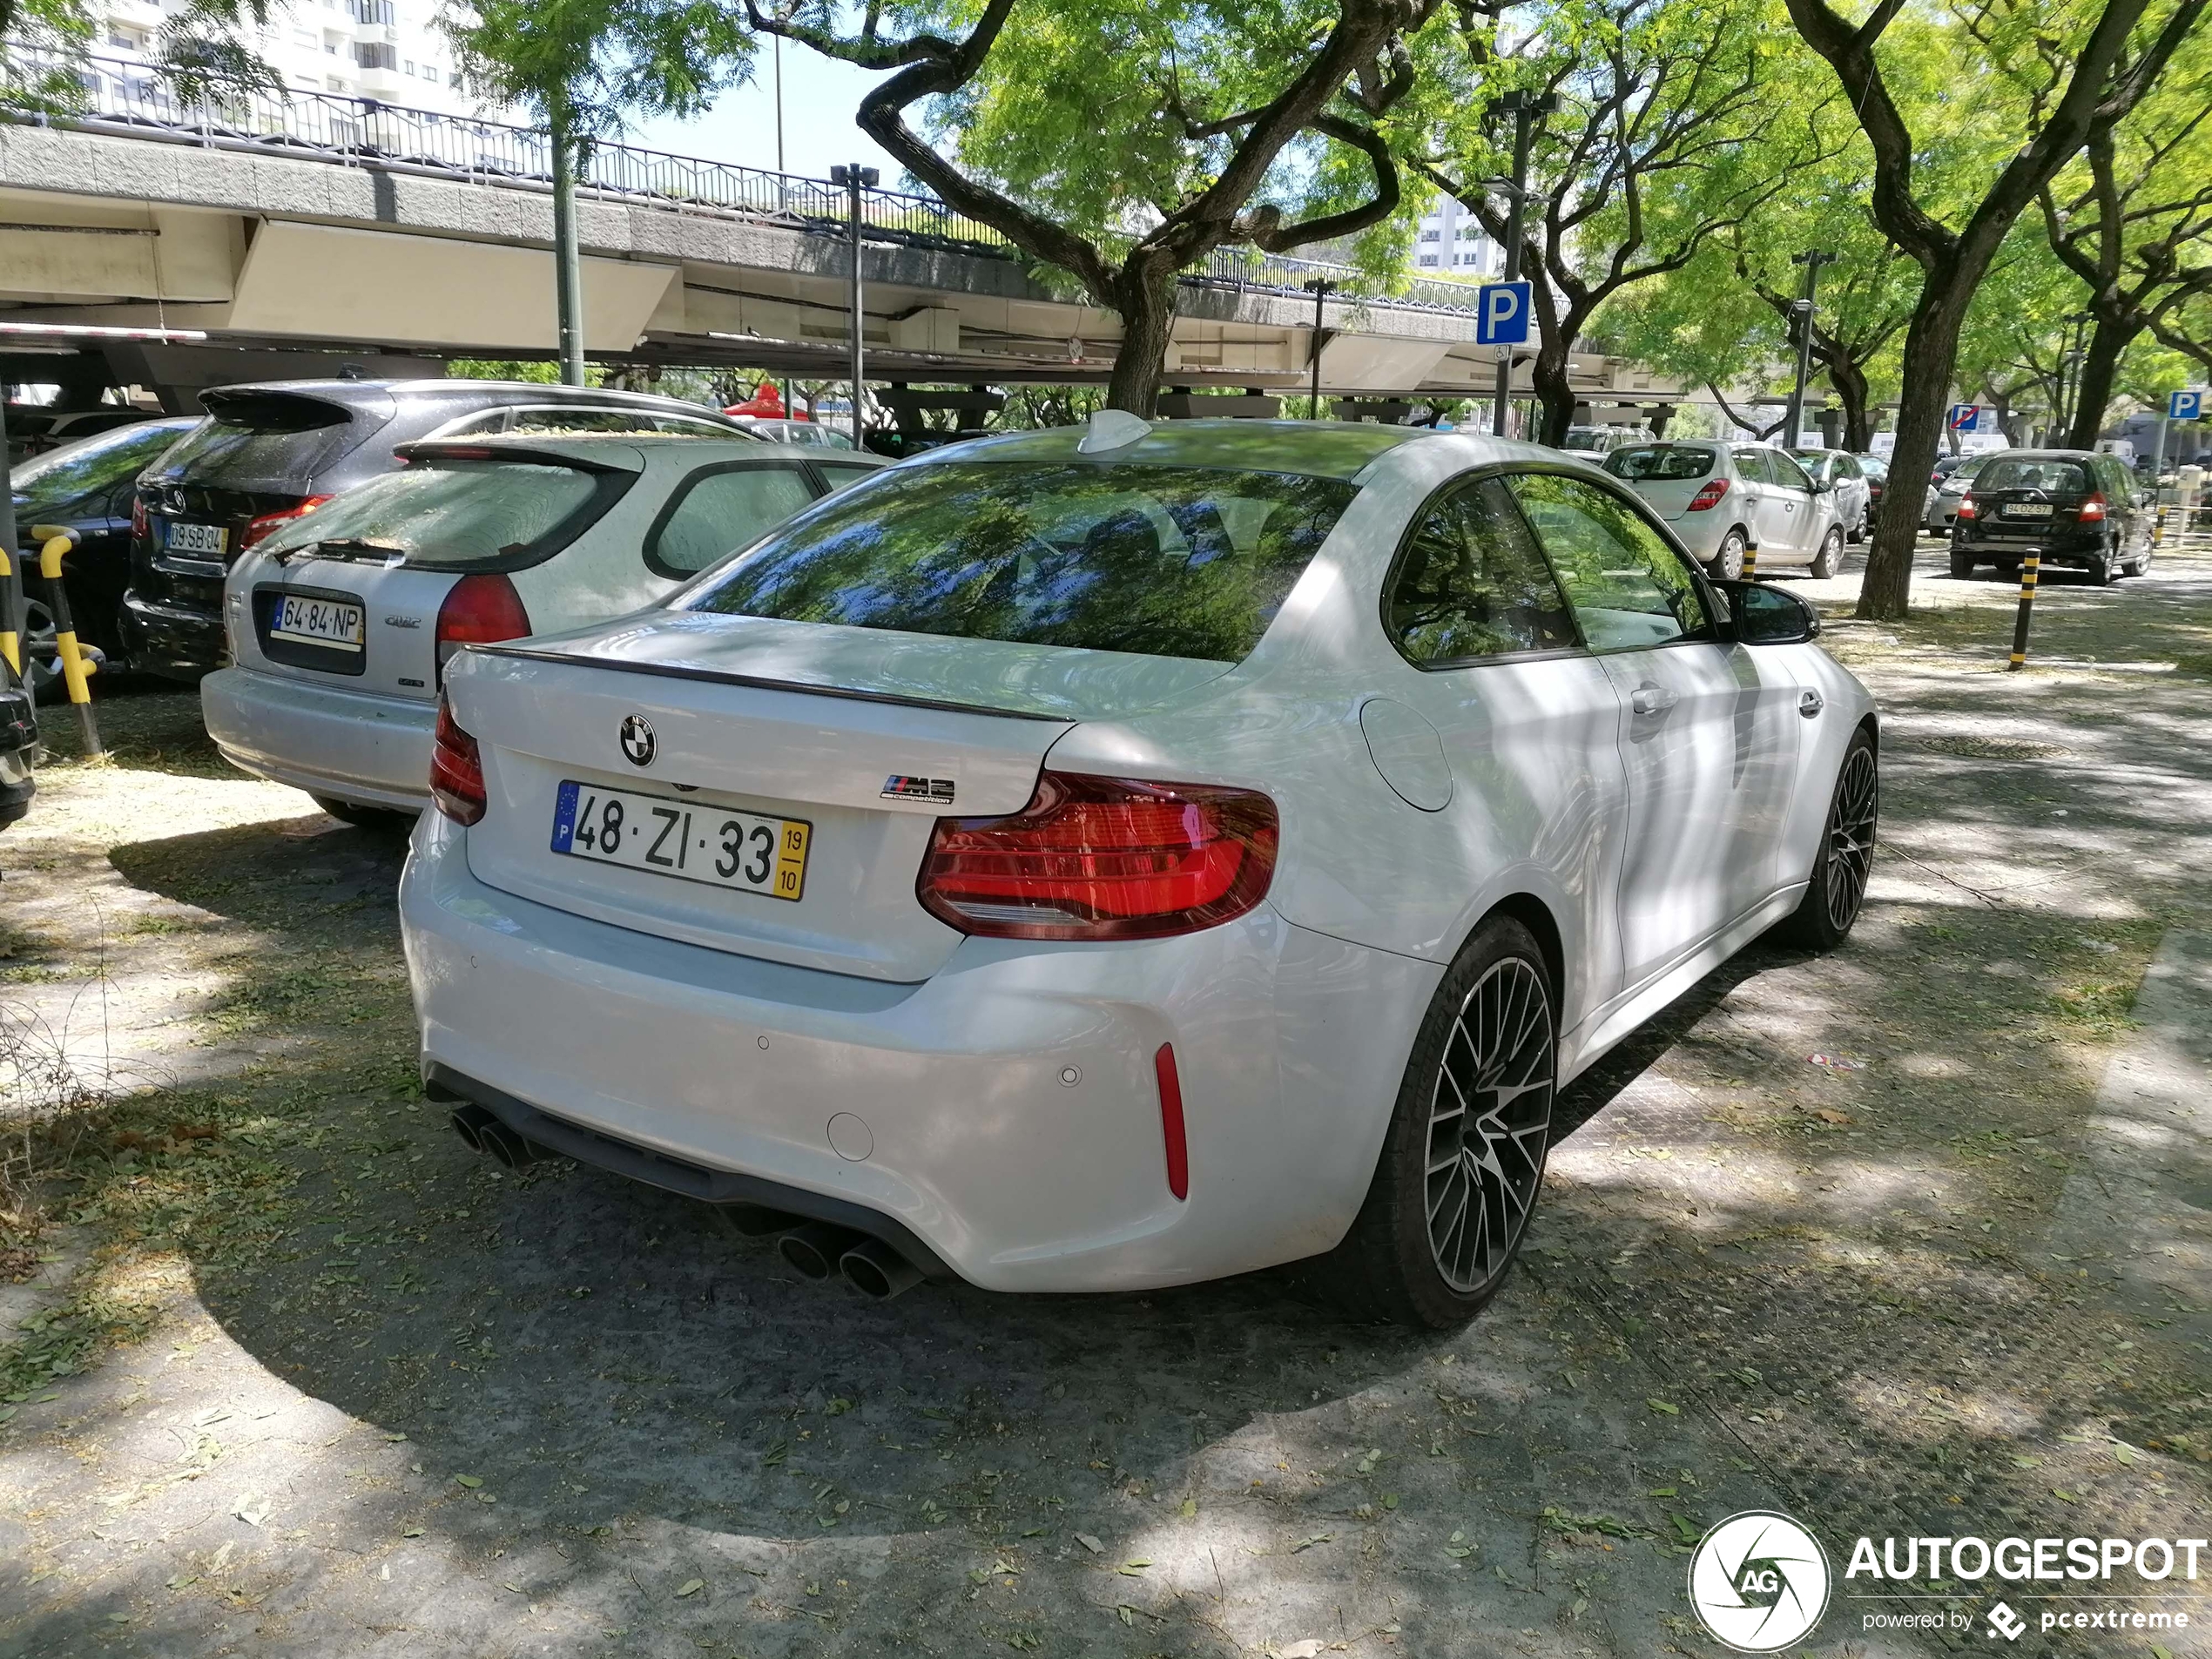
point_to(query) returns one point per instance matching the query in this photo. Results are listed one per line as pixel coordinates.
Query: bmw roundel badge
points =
(637, 740)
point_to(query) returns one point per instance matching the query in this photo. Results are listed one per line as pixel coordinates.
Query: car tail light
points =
(137, 517)
(2092, 509)
(456, 769)
(479, 609)
(1709, 497)
(1178, 1149)
(1966, 508)
(262, 524)
(1103, 858)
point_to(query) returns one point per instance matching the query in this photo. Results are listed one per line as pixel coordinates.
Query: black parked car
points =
(2070, 507)
(18, 743)
(88, 485)
(270, 453)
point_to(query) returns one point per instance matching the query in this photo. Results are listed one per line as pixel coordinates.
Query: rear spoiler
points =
(759, 682)
(459, 449)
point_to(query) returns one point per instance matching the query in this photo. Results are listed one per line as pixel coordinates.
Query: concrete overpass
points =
(324, 223)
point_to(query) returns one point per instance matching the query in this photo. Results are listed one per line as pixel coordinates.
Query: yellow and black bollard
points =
(1750, 560)
(2028, 568)
(10, 641)
(77, 668)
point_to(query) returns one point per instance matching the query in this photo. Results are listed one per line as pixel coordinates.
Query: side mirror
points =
(1770, 616)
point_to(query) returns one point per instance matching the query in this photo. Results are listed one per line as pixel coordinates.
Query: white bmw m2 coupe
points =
(1115, 857)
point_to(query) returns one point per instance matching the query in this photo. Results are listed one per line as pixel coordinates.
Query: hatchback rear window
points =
(1165, 561)
(2057, 477)
(262, 440)
(458, 515)
(1660, 462)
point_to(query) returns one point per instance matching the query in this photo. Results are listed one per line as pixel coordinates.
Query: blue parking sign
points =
(1501, 314)
(2185, 405)
(1963, 416)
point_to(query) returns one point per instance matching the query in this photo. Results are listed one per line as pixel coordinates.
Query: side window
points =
(475, 425)
(1472, 583)
(1788, 473)
(1628, 586)
(717, 512)
(1750, 467)
(1848, 467)
(841, 473)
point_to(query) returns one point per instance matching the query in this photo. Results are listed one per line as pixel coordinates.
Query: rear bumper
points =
(1008, 1106)
(174, 642)
(2071, 548)
(17, 785)
(353, 746)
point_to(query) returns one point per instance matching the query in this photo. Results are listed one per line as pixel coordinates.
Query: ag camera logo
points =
(1759, 1581)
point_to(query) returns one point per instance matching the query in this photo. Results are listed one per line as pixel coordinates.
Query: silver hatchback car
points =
(1724, 498)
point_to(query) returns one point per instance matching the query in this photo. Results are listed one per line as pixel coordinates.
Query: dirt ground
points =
(1908, 1239)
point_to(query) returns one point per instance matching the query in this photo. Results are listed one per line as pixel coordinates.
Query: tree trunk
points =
(1146, 300)
(1931, 352)
(1555, 389)
(1850, 383)
(2099, 366)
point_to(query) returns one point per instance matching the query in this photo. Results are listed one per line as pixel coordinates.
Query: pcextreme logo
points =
(1759, 1581)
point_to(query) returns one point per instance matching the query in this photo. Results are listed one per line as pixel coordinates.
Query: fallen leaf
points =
(472, 1481)
(1089, 1542)
(1663, 1406)
(1129, 1616)
(1661, 1492)
(2064, 1496)
(1308, 1543)
(1830, 1115)
(1309, 1649)
(1190, 1508)
(1133, 1569)
(412, 1532)
(691, 1587)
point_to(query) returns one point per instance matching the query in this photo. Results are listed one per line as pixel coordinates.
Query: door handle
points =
(1811, 703)
(1652, 699)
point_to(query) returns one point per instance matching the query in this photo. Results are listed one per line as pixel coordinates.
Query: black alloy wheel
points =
(1845, 858)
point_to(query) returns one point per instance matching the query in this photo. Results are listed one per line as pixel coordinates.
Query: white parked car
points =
(1721, 498)
(1842, 475)
(1090, 859)
(340, 625)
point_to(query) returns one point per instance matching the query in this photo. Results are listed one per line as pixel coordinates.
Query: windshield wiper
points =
(345, 546)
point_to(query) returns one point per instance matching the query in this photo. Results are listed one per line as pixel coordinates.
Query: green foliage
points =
(589, 64)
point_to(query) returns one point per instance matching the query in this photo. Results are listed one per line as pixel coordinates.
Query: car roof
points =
(628, 450)
(2043, 454)
(1317, 448)
(351, 392)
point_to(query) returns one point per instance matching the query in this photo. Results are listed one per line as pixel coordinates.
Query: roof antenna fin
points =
(1112, 429)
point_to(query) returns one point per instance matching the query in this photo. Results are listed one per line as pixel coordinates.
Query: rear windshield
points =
(279, 440)
(457, 515)
(92, 464)
(2059, 477)
(1165, 561)
(1660, 462)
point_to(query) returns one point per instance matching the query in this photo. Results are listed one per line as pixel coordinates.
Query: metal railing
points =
(125, 97)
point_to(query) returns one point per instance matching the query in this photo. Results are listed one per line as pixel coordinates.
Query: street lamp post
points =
(1800, 313)
(855, 179)
(1524, 109)
(1320, 288)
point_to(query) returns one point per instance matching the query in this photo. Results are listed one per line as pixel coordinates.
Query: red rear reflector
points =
(262, 524)
(137, 515)
(1103, 858)
(1171, 1121)
(2092, 509)
(479, 609)
(1709, 497)
(456, 771)
(1966, 508)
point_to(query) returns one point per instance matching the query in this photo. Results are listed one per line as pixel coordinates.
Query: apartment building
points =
(391, 50)
(1450, 242)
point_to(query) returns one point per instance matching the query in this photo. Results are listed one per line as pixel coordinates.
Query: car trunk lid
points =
(855, 741)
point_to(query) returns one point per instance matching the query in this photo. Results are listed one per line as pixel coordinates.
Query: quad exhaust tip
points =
(814, 1249)
(481, 1131)
(872, 1267)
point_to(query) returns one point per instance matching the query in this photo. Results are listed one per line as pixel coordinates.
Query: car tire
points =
(383, 819)
(1845, 857)
(1727, 565)
(1830, 556)
(2140, 565)
(1431, 1245)
(2101, 570)
(1962, 566)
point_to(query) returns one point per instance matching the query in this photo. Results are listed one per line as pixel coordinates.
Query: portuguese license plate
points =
(2027, 509)
(320, 621)
(712, 844)
(204, 539)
